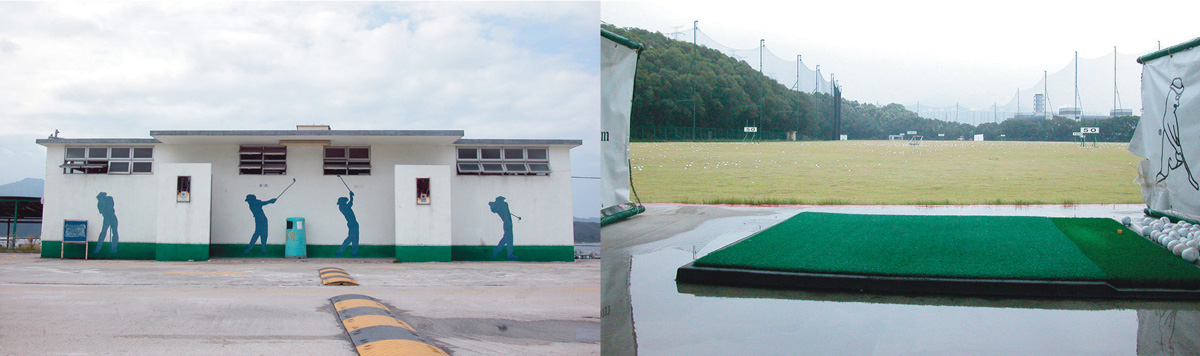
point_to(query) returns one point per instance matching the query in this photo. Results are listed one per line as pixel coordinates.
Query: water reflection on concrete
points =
(1168, 332)
(683, 319)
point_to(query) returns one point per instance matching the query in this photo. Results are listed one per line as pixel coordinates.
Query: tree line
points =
(679, 87)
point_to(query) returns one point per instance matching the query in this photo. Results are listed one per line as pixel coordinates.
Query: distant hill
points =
(28, 187)
(587, 229)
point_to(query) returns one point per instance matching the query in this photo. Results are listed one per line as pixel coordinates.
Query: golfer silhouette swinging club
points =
(346, 207)
(500, 207)
(260, 219)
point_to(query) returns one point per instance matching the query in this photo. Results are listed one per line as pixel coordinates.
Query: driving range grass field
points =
(884, 172)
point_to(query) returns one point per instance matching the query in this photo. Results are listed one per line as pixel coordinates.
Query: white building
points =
(417, 195)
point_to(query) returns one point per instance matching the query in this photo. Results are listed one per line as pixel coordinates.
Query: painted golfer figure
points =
(346, 207)
(1171, 138)
(107, 208)
(500, 207)
(260, 221)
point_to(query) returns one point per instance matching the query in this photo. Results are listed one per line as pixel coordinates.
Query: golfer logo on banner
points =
(1168, 135)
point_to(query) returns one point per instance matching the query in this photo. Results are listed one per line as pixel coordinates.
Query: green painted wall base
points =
(313, 251)
(184, 252)
(523, 253)
(180, 252)
(423, 253)
(125, 250)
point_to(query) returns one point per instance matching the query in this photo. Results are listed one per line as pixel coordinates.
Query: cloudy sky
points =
(495, 70)
(936, 52)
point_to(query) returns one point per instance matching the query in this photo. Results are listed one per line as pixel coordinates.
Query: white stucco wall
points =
(73, 197)
(183, 222)
(313, 197)
(545, 218)
(424, 225)
(147, 211)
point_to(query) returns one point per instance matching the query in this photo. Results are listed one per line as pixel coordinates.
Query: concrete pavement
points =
(276, 306)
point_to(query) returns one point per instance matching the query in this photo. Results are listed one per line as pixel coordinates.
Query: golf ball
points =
(1190, 254)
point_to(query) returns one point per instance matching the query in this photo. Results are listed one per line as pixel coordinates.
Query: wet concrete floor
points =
(653, 315)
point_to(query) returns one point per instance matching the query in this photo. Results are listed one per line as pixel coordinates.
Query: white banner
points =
(618, 65)
(1168, 134)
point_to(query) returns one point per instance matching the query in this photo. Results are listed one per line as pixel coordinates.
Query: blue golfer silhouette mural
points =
(107, 208)
(346, 207)
(260, 221)
(500, 207)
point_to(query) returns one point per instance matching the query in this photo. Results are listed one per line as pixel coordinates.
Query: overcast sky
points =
(495, 70)
(936, 52)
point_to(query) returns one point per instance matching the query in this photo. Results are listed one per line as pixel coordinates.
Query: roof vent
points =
(312, 127)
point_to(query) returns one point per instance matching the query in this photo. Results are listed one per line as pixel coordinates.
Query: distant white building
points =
(417, 195)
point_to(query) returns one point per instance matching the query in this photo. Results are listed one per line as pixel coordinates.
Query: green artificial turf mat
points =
(972, 247)
(1129, 259)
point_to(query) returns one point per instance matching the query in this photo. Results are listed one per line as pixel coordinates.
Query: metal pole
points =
(1114, 80)
(837, 115)
(761, 43)
(12, 225)
(695, 27)
(798, 124)
(817, 78)
(797, 72)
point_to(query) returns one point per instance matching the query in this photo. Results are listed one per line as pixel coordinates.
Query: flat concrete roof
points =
(335, 137)
(523, 142)
(106, 141)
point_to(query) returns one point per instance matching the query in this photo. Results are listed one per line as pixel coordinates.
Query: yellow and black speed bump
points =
(336, 276)
(376, 331)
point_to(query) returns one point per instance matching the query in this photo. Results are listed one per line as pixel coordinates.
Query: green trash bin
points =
(295, 246)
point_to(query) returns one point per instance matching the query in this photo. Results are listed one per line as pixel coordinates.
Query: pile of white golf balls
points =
(1180, 238)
